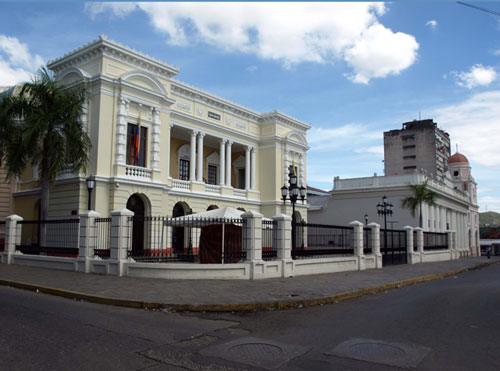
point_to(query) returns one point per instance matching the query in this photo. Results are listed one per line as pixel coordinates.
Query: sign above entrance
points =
(213, 115)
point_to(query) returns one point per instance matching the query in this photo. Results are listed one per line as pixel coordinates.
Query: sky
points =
(351, 70)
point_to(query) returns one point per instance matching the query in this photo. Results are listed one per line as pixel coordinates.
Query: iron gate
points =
(393, 247)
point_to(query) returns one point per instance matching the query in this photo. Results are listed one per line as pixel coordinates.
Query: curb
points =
(246, 307)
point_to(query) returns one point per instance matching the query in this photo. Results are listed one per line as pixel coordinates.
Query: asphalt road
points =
(446, 324)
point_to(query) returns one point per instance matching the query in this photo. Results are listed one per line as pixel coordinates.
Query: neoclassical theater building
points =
(162, 147)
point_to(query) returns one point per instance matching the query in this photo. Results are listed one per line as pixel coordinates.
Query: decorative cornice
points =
(113, 49)
(277, 116)
(190, 92)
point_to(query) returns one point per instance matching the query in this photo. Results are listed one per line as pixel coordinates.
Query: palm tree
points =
(41, 127)
(420, 194)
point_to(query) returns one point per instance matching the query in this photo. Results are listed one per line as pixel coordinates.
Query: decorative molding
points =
(112, 49)
(183, 106)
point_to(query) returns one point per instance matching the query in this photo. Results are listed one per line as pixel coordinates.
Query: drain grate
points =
(255, 350)
(378, 351)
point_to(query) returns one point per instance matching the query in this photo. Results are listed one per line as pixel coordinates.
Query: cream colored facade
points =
(249, 150)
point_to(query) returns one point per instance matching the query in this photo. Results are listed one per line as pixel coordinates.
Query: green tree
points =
(41, 126)
(420, 195)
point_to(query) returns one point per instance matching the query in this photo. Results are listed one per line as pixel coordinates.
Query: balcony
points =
(138, 172)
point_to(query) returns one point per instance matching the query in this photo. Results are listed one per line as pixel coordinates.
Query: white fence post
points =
(252, 242)
(410, 244)
(452, 244)
(121, 240)
(357, 243)
(282, 234)
(375, 245)
(420, 242)
(12, 237)
(88, 233)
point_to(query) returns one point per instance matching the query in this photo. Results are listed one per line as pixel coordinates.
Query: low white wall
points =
(302, 267)
(436, 256)
(52, 262)
(193, 271)
(370, 262)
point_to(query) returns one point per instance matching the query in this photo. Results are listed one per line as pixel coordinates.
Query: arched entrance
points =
(178, 233)
(136, 204)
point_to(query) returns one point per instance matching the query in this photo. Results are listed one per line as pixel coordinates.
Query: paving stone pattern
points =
(213, 292)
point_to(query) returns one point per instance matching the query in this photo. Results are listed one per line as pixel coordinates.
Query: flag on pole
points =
(137, 141)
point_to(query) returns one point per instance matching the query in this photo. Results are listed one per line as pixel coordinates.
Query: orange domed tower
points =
(460, 171)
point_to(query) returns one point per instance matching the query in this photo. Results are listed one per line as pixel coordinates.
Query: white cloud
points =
(252, 68)
(290, 33)
(17, 64)
(477, 76)
(474, 125)
(347, 137)
(379, 53)
(432, 24)
(376, 150)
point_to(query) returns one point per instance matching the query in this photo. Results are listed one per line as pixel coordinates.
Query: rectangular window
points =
(409, 157)
(409, 146)
(183, 169)
(409, 167)
(136, 145)
(212, 174)
(408, 137)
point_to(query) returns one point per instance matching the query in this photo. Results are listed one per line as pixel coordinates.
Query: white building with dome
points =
(455, 208)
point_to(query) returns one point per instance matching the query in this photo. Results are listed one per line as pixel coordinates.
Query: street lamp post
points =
(385, 208)
(291, 193)
(90, 186)
(366, 220)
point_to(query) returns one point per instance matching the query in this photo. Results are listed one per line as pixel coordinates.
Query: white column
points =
(199, 163)
(121, 131)
(228, 163)
(155, 140)
(432, 217)
(170, 126)
(252, 165)
(247, 168)
(301, 170)
(222, 159)
(192, 164)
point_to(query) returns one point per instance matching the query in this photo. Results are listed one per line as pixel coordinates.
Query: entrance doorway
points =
(136, 204)
(179, 233)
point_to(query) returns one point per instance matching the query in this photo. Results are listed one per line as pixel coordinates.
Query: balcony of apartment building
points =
(202, 162)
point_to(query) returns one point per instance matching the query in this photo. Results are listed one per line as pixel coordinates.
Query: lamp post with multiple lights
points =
(90, 186)
(385, 208)
(292, 192)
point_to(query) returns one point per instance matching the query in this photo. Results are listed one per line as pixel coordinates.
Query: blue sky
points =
(351, 70)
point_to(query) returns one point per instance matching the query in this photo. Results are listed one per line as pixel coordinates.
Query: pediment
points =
(144, 80)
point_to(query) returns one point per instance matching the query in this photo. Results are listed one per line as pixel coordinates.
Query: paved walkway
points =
(229, 295)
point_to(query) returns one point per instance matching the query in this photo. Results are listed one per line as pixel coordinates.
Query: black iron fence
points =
(57, 237)
(415, 247)
(435, 241)
(102, 244)
(269, 247)
(2, 235)
(367, 241)
(321, 240)
(186, 239)
(393, 246)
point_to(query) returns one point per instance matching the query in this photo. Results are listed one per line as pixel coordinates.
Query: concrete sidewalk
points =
(229, 295)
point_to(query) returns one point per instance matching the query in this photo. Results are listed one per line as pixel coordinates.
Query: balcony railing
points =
(138, 172)
(240, 192)
(182, 184)
(212, 188)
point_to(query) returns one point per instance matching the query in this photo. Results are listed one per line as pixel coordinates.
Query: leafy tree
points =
(41, 127)
(420, 195)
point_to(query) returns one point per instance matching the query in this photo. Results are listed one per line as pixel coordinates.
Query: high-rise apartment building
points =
(419, 145)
